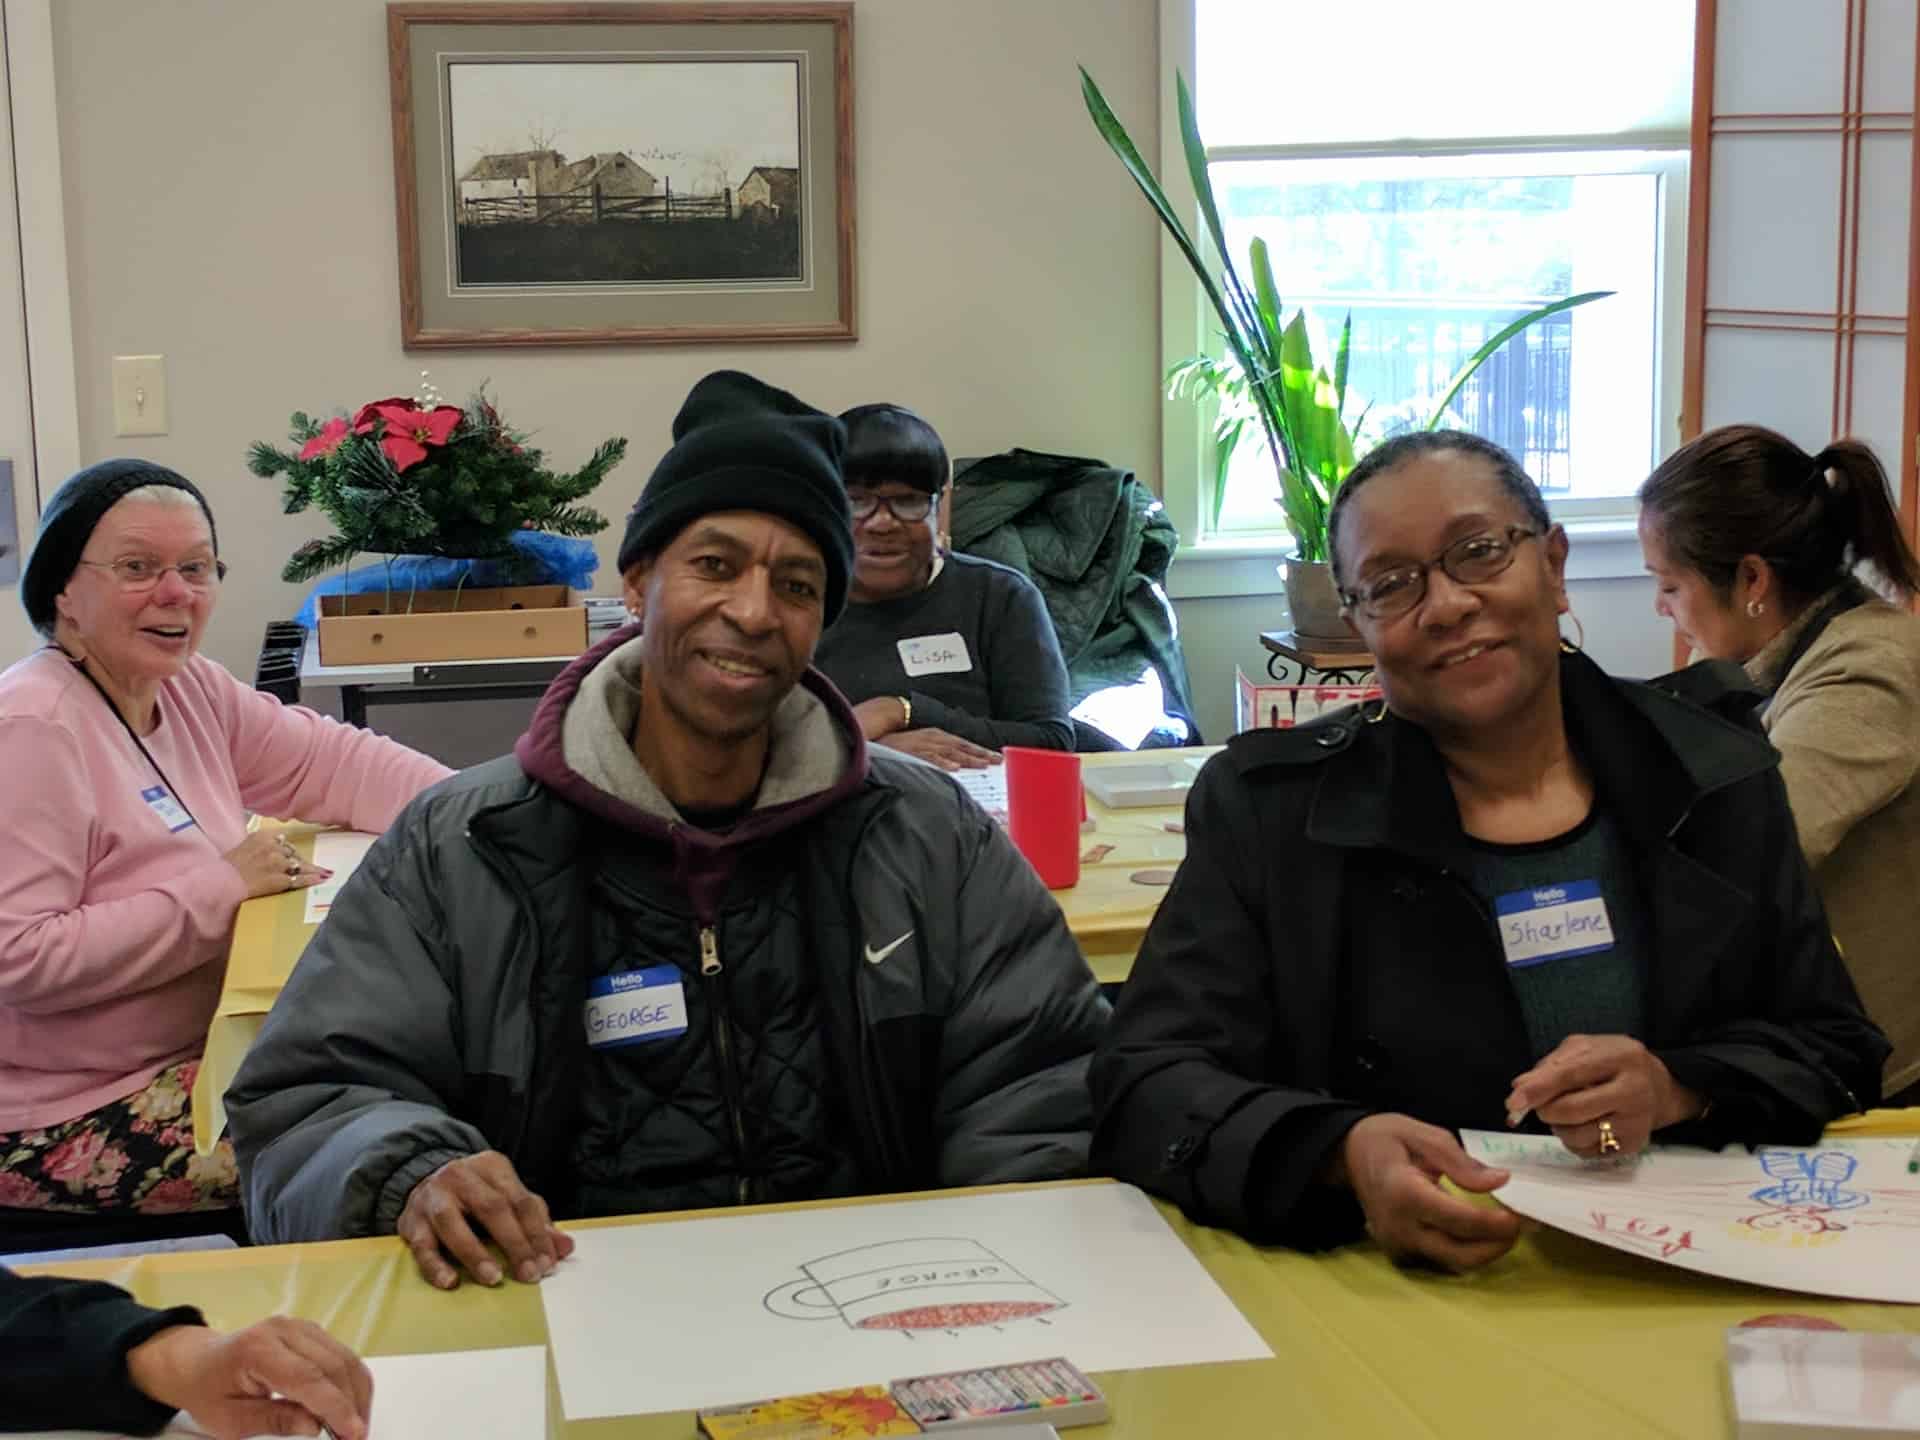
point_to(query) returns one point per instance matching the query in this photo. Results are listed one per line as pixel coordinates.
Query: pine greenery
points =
(464, 500)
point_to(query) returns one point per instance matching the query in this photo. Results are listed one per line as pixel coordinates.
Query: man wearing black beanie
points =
(692, 944)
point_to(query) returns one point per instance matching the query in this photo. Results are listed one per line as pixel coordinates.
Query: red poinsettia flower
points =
(410, 430)
(326, 442)
(369, 413)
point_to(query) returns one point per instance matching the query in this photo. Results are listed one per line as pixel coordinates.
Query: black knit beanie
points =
(740, 444)
(67, 523)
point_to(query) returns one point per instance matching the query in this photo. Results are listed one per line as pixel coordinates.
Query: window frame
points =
(1241, 561)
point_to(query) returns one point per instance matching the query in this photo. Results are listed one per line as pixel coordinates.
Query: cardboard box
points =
(473, 624)
(1281, 707)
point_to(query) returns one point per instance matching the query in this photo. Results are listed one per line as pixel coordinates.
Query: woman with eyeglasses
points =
(945, 656)
(1518, 893)
(1753, 543)
(131, 763)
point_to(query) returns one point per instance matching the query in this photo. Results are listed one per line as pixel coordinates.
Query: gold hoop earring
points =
(1578, 644)
(1377, 716)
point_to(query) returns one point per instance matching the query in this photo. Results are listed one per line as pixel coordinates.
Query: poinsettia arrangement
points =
(418, 476)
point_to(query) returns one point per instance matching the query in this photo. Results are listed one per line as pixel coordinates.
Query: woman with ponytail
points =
(1757, 548)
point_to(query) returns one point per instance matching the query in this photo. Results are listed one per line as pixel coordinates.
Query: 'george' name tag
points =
(1553, 922)
(172, 813)
(936, 654)
(635, 1007)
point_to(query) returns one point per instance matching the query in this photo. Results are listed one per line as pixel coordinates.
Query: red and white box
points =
(1280, 707)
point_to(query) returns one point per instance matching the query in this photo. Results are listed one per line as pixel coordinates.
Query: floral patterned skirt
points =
(134, 1154)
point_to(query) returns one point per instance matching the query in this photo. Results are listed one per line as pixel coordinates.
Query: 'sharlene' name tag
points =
(636, 1006)
(936, 654)
(1553, 922)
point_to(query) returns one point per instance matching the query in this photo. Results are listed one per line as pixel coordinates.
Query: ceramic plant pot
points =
(1315, 603)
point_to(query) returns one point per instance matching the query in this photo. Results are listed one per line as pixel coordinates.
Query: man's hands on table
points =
(451, 1214)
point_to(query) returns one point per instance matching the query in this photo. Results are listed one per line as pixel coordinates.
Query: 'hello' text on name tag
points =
(1553, 922)
(936, 654)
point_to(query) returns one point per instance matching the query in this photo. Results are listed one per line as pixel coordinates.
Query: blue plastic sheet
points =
(542, 559)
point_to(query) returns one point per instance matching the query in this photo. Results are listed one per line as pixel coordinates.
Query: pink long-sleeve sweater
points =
(114, 926)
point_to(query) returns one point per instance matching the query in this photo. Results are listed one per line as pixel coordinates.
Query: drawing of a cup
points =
(925, 1284)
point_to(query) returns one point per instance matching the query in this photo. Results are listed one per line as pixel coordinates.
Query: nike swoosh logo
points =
(874, 957)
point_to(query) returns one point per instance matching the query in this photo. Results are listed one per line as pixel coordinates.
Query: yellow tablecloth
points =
(1108, 913)
(1561, 1338)
(268, 936)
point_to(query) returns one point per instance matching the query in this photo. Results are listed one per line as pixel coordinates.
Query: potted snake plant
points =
(1269, 377)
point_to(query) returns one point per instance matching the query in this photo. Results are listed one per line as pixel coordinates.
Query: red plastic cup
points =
(1044, 805)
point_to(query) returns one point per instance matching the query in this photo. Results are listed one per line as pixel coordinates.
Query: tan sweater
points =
(1846, 720)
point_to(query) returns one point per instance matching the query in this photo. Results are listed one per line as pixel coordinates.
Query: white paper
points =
(475, 1394)
(340, 851)
(935, 654)
(862, 1294)
(1824, 1382)
(1840, 1218)
(988, 787)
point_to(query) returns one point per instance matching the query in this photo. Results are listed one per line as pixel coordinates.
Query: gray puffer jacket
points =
(880, 995)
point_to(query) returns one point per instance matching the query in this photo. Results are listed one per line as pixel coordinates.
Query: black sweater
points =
(1014, 691)
(63, 1355)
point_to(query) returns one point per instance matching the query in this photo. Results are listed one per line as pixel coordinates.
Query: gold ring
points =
(1609, 1142)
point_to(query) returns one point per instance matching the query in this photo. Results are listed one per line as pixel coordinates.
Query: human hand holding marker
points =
(1394, 1165)
(1589, 1079)
(279, 1377)
(440, 1213)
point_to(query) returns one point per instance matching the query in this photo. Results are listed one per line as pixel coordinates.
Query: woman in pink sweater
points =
(128, 765)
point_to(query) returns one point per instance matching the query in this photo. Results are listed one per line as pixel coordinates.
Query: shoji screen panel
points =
(1800, 277)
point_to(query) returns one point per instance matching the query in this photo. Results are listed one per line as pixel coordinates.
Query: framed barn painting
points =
(623, 173)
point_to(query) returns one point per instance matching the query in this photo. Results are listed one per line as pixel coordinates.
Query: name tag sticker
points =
(936, 654)
(172, 813)
(635, 1007)
(1553, 922)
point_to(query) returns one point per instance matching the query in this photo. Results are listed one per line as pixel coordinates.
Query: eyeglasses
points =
(1473, 560)
(139, 573)
(909, 509)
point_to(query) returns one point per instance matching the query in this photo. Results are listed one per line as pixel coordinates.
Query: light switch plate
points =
(139, 394)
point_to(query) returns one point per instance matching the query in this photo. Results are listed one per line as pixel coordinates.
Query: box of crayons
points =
(1040, 1393)
(824, 1415)
(1044, 1392)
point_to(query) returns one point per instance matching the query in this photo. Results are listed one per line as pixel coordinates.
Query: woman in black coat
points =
(1519, 893)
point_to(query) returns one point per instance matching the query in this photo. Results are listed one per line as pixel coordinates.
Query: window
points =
(1540, 170)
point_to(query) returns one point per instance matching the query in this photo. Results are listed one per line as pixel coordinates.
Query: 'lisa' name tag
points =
(936, 654)
(635, 1007)
(172, 813)
(1553, 922)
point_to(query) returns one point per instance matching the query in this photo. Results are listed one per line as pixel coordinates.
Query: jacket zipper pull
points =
(709, 951)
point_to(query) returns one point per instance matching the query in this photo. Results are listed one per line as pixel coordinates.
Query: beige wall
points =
(228, 188)
(229, 203)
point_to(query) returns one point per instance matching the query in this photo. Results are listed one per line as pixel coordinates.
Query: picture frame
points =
(627, 173)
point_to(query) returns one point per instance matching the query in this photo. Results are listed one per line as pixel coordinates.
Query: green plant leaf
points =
(1480, 356)
(1202, 180)
(1115, 134)
(1238, 318)
(1266, 295)
(1227, 436)
(1341, 352)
